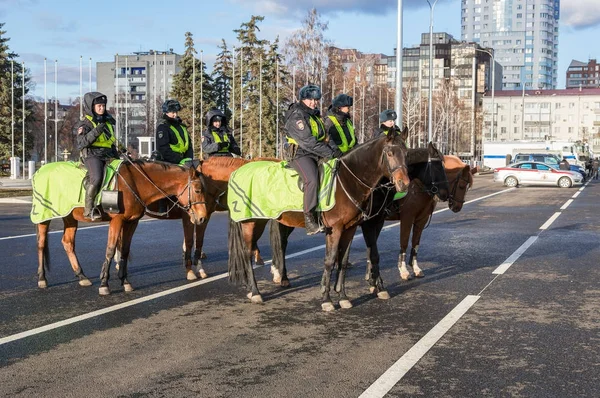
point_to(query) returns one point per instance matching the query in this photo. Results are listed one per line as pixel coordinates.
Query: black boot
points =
(90, 196)
(311, 225)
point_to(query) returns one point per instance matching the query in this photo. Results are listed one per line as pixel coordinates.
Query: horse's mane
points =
(368, 146)
(143, 162)
(453, 162)
(225, 161)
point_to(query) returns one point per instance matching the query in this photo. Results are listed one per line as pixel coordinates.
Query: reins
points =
(165, 195)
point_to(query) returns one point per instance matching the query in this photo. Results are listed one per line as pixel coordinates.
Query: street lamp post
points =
(431, 8)
(493, 61)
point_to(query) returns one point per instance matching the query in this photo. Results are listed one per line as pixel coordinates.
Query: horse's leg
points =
(68, 241)
(279, 234)
(332, 242)
(126, 236)
(248, 236)
(239, 264)
(405, 228)
(343, 254)
(43, 253)
(259, 229)
(188, 244)
(114, 229)
(200, 230)
(371, 231)
(418, 228)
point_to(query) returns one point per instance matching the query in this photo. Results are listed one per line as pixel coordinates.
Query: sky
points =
(66, 30)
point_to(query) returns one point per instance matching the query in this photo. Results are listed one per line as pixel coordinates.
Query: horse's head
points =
(460, 177)
(437, 173)
(194, 200)
(394, 158)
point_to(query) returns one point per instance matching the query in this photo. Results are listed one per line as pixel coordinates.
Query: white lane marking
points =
(515, 256)
(397, 371)
(82, 317)
(564, 207)
(113, 308)
(550, 221)
(78, 229)
(576, 194)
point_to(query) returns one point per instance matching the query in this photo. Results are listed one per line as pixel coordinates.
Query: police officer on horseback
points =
(217, 139)
(172, 138)
(387, 120)
(338, 124)
(96, 143)
(306, 131)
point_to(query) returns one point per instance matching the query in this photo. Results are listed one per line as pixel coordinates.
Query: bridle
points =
(433, 188)
(174, 203)
(452, 196)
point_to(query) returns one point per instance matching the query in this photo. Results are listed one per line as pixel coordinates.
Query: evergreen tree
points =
(183, 91)
(222, 79)
(20, 78)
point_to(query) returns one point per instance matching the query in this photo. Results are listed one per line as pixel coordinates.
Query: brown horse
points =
(216, 171)
(140, 183)
(414, 211)
(359, 174)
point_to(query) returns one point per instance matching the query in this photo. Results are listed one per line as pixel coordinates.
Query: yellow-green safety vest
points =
(314, 129)
(102, 141)
(345, 146)
(218, 140)
(181, 146)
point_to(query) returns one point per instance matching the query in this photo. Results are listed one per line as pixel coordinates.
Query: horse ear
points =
(474, 170)
(404, 134)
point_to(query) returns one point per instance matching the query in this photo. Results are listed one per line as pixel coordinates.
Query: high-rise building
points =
(143, 80)
(583, 75)
(523, 34)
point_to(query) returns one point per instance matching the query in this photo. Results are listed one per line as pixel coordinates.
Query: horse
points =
(139, 183)
(427, 181)
(359, 174)
(414, 211)
(216, 171)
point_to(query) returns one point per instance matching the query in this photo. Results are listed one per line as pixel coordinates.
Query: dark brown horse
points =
(359, 174)
(140, 183)
(414, 212)
(216, 171)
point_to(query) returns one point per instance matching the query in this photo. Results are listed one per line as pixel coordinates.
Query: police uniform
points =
(338, 125)
(383, 129)
(96, 143)
(218, 141)
(305, 129)
(172, 138)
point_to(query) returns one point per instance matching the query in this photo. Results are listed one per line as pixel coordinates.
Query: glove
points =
(222, 145)
(337, 153)
(100, 128)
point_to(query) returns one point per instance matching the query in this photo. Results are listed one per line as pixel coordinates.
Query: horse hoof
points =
(383, 295)
(85, 282)
(128, 288)
(259, 261)
(202, 274)
(191, 276)
(42, 284)
(419, 274)
(104, 291)
(327, 307)
(371, 289)
(117, 266)
(405, 276)
(286, 283)
(203, 256)
(345, 304)
(256, 299)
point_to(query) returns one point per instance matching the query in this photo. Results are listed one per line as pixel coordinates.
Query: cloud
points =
(55, 23)
(580, 14)
(378, 7)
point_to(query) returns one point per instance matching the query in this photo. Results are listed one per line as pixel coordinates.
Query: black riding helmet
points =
(310, 91)
(386, 115)
(342, 100)
(171, 106)
(215, 114)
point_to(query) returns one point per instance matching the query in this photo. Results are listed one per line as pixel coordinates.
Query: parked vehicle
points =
(536, 173)
(551, 159)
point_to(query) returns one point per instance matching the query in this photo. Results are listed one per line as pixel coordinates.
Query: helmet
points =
(101, 99)
(342, 100)
(310, 91)
(386, 115)
(171, 106)
(216, 118)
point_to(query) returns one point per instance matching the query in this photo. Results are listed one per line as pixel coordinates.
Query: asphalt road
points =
(531, 329)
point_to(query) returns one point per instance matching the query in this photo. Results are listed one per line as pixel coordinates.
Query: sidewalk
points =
(7, 183)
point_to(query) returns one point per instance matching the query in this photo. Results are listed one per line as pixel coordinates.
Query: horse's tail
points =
(45, 245)
(238, 257)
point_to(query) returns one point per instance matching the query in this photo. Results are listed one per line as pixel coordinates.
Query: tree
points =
(21, 77)
(222, 76)
(188, 84)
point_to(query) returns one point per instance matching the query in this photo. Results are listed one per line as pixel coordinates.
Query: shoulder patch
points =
(160, 135)
(80, 130)
(300, 125)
